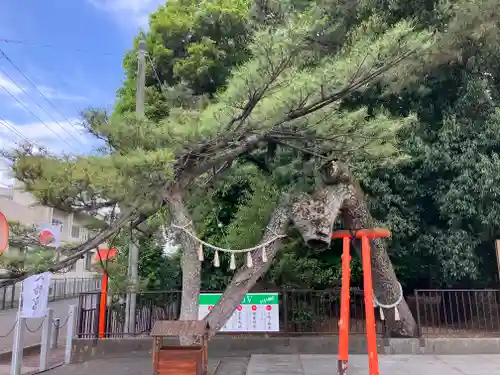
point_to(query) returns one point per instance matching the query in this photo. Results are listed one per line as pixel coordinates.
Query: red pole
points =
(343, 357)
(102, 306)
(371, 333)
(344, 308)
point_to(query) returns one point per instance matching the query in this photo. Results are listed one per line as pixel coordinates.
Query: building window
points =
(58, 222)
(88, 262)
(8, 196)
(75, 231)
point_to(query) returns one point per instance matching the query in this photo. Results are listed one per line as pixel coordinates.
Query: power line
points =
(31, 112)
(51, 46)
(154, 71)
(157, 76)
(38, 105)
(13, 130)
(42, 94)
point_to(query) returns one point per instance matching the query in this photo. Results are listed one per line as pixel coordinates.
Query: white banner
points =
(35, 296)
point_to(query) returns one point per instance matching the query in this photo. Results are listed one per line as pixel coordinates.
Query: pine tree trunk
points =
(191, 266)
(356, 215)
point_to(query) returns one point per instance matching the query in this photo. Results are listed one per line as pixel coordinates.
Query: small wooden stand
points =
(180, 360)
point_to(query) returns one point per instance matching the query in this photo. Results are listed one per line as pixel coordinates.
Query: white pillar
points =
(45, 344)
(70, 333)
(18, 347)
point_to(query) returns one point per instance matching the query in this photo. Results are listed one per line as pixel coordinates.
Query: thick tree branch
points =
(323, 207)
(76, 252)
(246, 277)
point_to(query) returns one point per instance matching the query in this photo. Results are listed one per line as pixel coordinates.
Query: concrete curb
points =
(86, 349)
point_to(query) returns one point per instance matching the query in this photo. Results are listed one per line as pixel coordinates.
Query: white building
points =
(22, 207)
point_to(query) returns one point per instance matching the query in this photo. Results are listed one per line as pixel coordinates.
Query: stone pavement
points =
(309, 364)
(312, 364)
(142, 365)
(8, 319)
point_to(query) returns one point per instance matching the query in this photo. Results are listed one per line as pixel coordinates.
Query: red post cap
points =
(373, 233)
(342, 234)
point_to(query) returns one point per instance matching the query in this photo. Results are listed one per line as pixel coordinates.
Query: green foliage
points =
(156, 271)
(441, 198)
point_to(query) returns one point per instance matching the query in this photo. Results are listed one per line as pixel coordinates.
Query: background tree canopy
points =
(423, 140)
(439, 197)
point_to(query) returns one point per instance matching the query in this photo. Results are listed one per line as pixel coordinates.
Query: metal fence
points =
(438, 312)
(300, 311)
(60, 288)
(458, 312)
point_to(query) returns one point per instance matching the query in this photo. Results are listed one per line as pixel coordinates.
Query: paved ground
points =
(8, 319)
(31, 363)
(389, 365)
(304, 365)
(142, 366)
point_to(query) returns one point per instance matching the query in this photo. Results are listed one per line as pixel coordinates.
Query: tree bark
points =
(314, 216)
(191, 266)
(246, 278)
(356, 215)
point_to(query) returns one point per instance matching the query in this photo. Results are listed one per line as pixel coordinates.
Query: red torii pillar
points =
(102, 256)
(371, 334)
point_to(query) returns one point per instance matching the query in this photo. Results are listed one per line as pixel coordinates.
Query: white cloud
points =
(49, 92)
(52, 93)
(136, 11)
(58, 137)
(63, 137)
(9, 85)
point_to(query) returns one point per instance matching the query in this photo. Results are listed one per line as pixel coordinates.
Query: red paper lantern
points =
(4, 233)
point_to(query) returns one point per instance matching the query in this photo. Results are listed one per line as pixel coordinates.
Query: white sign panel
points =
(35, 296)
(257, 312)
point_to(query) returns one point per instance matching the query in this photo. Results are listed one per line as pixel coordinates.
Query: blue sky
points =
(70, 78)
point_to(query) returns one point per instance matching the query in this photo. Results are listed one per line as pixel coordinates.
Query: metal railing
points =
(458, 312)
(301, 312)
(438, 312)
(60, 288)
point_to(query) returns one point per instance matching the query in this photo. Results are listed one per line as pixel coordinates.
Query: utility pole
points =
(133, 250)
(141, 79)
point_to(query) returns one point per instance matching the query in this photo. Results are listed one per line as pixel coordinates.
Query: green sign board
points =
(249, 299)
(257, 312)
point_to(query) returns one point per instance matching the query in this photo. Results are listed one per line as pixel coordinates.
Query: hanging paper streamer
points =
(382, 317)
(216, 259)
(200, 253)
(249, 260)
(396, 314)
(264, 254)
(232, 265)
